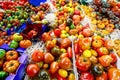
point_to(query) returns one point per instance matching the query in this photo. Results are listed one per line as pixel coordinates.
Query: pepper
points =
(3, 75)
(114, 74)
(97, 69)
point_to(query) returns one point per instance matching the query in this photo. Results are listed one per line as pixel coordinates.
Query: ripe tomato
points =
(77, 12)
(87, 32)
(114, 57)
(86, 76)
(1, 42)
(32, 70)
(65, 42)
(97, 43)
(57, 32)
(102, 77)
(83, 64)
(65, 63)
(37, 56)
(109, 44)
(48, 58)
(46, 36)
(25, 43)
(102, 51)
(54, 66)
(69, 52)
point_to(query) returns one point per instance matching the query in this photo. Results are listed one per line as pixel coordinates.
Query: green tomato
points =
(17, 37)
(13, 44)
(22, 20)
(3, 75)
(72, 26)
(2, 53)
(55, 51)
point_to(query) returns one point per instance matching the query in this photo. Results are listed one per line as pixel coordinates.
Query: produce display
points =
(60, 40)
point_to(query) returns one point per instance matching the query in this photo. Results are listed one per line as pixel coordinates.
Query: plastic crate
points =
(36, 2)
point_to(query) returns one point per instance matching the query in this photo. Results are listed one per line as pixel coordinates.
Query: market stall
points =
(60, 40)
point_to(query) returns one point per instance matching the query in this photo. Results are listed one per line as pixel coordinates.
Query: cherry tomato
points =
(86, 76)
(69, 52)
(48, 58)
(76, 48)
(57, 32)
(54, 66)
(102, 51)
(65, 63)
(46, 37)
(97, 43)
(37, 56)
(77, 12)
(32, 70)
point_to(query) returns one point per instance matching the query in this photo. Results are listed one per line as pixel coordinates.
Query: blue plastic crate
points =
(36, 2)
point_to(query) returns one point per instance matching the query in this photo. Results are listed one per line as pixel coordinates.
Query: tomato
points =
(109, 44)
(1, 62)
(65, 63)
(37, 56)
(62, 26)
(71, 76)
(76, 17)
(114, 57)
(63, 55)
(93, 60)
(32, 70)
(102, 51)
(87, 32)
(60, 78)
(57, 32)
(48, 58)
(97, 43)
(2, 53)
(84, 43)
(69, 52)
(114, 74)
(49, 45)
(76, 48)
(54, 66)
(11, 55)
(11, 66)
(46, 36)
(86, 76)
(77, 12)
(1, 42)
(65, 43)
(25, 43)
(63, 73)
(55, 51)
(105, 60)
(102, 77)
(83, 64)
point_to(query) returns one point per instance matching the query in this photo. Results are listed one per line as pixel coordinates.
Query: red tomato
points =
(54, 66)
(102, 77)
(48, 58)
(32, 70)
(77, 12)
(109, 44)
(37, 56)
(83, 64)
(65, 63)
(57, 32)
(86, 76)
(65, 43)
(114, 57)
(87, 32)
(76, 48)
(69, 52)
(46, 37)
(102, 51)
(60, 78)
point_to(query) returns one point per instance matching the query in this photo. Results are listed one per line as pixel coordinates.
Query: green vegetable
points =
(13, 44)
(72, 26)
(3, 75)
(2, 53)
(97, 69)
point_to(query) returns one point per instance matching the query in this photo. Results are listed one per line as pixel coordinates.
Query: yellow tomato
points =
(63, 73)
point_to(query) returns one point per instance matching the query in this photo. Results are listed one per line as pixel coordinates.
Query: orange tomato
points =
(25, 43)
(102, 77)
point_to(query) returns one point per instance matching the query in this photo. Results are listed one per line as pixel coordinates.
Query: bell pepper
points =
(97, 69)
(13, 44)
(3, 75)
(105, 60)
(114, 74)
(2, 53)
